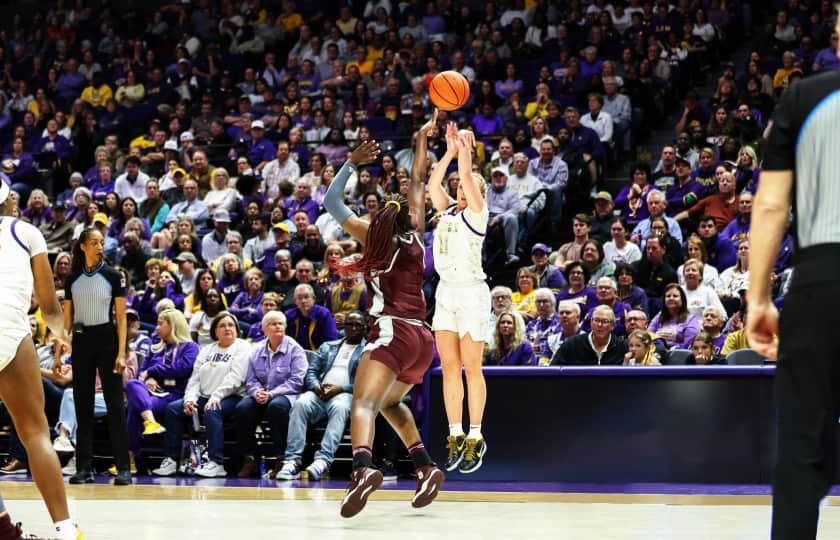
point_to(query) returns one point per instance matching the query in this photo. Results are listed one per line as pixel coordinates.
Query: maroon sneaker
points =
(363, 482)
(429, 481)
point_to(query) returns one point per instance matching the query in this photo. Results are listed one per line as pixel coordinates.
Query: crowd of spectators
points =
(199, 139)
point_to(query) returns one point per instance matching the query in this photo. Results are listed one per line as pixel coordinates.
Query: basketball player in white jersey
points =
(462, 300)
(23, 267)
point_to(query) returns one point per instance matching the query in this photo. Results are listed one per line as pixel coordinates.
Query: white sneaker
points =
(168, 467)
(290, 471)
(211, 469)
(318, 469)
(62, 445)
(70, 468)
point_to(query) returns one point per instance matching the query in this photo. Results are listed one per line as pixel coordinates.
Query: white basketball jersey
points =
(19, 242)
(459, 238)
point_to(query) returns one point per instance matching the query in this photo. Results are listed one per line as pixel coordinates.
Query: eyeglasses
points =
(502, 297)
(542, 301)
(576, 273)
(603, 321)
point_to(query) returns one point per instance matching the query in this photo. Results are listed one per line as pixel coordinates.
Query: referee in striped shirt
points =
(93, 292)
(801, 167)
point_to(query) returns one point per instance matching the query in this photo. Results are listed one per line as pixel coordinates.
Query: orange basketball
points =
(449, 90)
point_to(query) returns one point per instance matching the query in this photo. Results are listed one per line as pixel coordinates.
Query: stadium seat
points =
(678, 357)
(745, 357)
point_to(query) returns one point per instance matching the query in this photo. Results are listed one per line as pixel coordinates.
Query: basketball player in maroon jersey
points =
(400, 345)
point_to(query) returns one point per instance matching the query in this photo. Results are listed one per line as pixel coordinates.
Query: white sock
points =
(456, 430)
(66, 529)
(475, 432)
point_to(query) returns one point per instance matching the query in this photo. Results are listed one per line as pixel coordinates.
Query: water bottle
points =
(262, 467)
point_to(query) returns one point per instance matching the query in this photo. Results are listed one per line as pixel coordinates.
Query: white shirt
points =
(136, 191)
(19, 242)
(733, 281)
(459, 238)
(603, 125)
(275, 172)
(701, 298)
(711, 278)
(629, 254)
(339, 373)
(524, 186)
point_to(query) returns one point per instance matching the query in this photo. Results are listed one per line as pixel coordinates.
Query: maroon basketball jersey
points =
(398, 290)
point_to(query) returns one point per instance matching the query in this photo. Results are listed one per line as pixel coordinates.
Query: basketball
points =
(449, 90)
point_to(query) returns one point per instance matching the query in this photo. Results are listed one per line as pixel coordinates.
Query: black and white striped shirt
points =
(805, 138)
(93, 293)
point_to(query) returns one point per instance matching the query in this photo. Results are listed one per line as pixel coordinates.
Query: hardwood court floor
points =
(204, 513)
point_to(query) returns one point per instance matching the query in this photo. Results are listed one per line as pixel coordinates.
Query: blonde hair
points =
(647, 341)
(223, 172)
(518, 334)
(178, 324)
(694, 262)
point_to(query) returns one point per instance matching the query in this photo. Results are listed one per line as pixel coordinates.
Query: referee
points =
(801, 167)
(93, 291)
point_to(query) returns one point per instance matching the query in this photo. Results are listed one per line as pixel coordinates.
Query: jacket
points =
(172, 366)
(322, 361)
(280, 372)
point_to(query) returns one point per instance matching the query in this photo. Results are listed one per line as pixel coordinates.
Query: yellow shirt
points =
(289, 22)
(365, 68)
(524, 303)
(735, 341)
(97, 97)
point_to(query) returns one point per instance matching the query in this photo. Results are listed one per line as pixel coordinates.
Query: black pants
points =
(807, 394)
(96, 348)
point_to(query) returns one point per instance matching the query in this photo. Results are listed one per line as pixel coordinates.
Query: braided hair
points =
(392, 219)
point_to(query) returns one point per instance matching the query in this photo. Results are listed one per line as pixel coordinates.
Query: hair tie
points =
(395, 203)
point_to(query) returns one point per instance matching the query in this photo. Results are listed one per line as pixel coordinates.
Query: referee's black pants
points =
(96, 348)
(807, 394)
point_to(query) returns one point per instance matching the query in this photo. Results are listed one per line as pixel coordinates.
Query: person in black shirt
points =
(596, 348)
(93, 292)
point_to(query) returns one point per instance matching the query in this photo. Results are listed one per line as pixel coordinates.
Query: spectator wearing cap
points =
(503, 208)
(282, 241)
(685, 192)
(187, 263)
(132, 183)
(214, 243)
(599, 225)
(187, 141)
(58, 232)
(308, 323)
(192, 207)
(260, 150)
(598, 347)
(548, 276)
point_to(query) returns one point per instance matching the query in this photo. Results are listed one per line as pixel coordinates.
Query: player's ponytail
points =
(391, 219)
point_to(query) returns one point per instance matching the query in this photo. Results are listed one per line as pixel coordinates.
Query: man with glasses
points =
(595, 348)
(329, 384)
(638, 320)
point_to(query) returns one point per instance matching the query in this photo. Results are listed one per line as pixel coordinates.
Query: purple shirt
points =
(280, 372)
(312, 330)
(172, 366)
(827, 59)
(523, 355)
(308, 205)
(585, 298)
(553, 175)
(538, 331)
(676, 195)
(674, 333)
(247, 308)
(737, 230)
(632, 215)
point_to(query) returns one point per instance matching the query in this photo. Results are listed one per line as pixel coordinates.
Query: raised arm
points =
(419, 172)
(440, 199)
(475, 201)
(334, 198)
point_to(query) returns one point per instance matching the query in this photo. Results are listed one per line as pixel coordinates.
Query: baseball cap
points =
(100, 217)
(498, 170)
(681, 159)
(186, 256)
(179, 170)
(257, 124)
(281, 227)
(78, 175)
(604, 195)
(132, 313)
(59, 206)
(8, 166)
(170, 145)
(221, 216)
(540, 247)
(187, 136)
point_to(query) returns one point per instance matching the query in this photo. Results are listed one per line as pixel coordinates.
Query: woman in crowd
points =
(328, 275)
(628, 292)
(202, 319)
(270, 302)
(509, 348)
(160, 284)
(632, 199)
(273, 383)
(230, 277)
(215, 387)
(37, 211)
(641, 350)
(523, 297)
(162, 378)
(282, 280)
(62, 269)
(128, 210)
(246, 306)
(154, 209)
(698, 295)
(592, 257)
(221, 194)
(620, 249)
(674, 324)
(205, 280)
(736, 279)
(577, 277)
(696, 250)
(747, 172)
